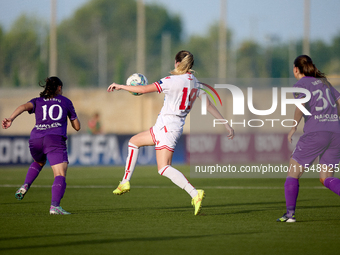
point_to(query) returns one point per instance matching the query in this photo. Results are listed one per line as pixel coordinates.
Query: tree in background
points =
(21, 48)
(2, 62)
(250, 60)
(104, 31)
(205, 50)
(333, 66)
(115, 21)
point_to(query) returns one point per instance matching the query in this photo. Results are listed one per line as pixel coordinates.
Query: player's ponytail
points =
(50, 87)
(186, 62)
(306, 66)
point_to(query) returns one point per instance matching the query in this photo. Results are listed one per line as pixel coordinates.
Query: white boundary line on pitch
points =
(153, 187)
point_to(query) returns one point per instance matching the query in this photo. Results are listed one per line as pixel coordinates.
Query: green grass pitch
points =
(156, 217)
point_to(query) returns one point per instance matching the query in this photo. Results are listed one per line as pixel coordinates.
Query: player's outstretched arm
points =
(134, 89)
(7, 122)
(214, 112)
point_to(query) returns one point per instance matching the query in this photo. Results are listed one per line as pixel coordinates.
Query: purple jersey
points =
(322, 105)
(51, 116)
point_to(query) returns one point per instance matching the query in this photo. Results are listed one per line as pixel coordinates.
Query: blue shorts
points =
(311, 145)
(51, 147)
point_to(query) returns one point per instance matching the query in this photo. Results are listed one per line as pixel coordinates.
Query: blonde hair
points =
(186, 62)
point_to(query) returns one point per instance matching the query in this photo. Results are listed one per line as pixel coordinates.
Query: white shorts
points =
(165, 139)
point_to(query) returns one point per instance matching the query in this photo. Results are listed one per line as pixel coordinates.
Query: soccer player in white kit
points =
(180, 89)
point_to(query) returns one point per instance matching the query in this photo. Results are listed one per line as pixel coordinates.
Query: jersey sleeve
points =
(71, 111)
(299, 84)
(200, 90)
(158, 85)
(33, 101)
(163, 84)
(335, 93)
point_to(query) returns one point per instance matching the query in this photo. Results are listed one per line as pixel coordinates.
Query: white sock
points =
(131, 161)
(179, 179)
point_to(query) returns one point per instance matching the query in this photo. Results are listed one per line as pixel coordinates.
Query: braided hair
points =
(50, 87)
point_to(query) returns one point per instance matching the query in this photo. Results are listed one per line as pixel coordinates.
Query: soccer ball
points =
(136, 79)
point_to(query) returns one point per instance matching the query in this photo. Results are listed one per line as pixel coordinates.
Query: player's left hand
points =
(231, 132)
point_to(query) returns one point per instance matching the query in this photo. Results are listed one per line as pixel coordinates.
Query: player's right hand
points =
(113, 87)
(6, 123)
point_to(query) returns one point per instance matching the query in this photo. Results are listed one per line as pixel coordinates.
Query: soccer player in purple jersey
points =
(48, 138)
(321, 136)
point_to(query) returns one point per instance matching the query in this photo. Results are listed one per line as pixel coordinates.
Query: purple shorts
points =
(51, 147)
(311, 145)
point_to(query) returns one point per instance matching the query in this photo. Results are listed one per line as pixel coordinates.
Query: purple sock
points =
(58, 190)
(291, 194)
(333, 184)
(32, 173)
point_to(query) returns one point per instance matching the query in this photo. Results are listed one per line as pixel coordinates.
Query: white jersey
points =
(180, 92)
